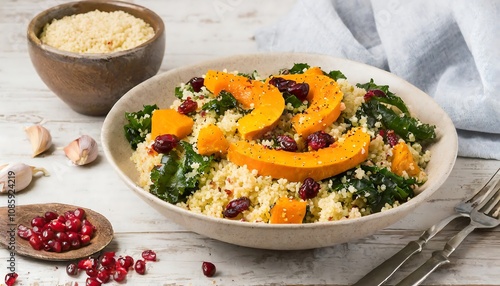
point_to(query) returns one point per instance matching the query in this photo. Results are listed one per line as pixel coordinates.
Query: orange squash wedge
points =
(402, 161)
(287, 211)
(266, 100)
(324, 97)
(295, 167)
(169, 121)
(211, 140)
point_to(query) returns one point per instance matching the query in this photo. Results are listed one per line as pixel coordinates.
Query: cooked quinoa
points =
(96, 32)
(226, 181)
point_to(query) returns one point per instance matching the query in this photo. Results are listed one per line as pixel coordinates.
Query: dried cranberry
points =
(165, 143)
(236, 206)
(286, 143)
(300, 90)
(373, 93)
(197, 83)
(149, 255)
(10, 278)
(187, 106)
(309, 189)
(208, 268)
(140, 267)
(72, 269)
(281, 83)
(319, 140)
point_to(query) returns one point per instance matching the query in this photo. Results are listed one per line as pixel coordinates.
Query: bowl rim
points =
(35, 40)
(409, 205)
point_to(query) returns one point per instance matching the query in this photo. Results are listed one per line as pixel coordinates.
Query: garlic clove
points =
(17, 176)
(40, 139)
(82, 151)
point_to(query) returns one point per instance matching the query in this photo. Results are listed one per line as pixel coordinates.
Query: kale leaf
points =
(224, 101)
(175, 179)
(139, 125)
(335, 75)
(389, 98)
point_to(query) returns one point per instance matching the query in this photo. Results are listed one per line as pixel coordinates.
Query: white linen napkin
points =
(450, 49)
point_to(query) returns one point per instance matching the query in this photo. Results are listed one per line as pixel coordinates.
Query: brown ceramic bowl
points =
(91, 83)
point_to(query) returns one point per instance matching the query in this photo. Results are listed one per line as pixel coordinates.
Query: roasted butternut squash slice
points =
(265, 99)
(211, 140)
(169, 121)
(287, 210)
(324, 97)
(402, 160)
(295, 167)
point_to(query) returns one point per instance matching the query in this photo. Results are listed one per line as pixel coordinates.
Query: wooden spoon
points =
(10, 218)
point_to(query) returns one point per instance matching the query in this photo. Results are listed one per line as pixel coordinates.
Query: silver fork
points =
(485, 215)
(384, 271)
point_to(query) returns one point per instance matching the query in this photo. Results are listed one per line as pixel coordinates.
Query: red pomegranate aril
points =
(54, 245)
(10, 278)
(120, 274)
(149, 255)
(392, 138)
(72, 269)
(65, 245)
(61, 236)
(36, 241)
(38, 221)
(91, 281)
(140, 267)
(103, 276)
(197, 83)
(84, 239)
(37, 229)
(208, 268)
(69, 215)
(165, 143)
(309, 189)
(236, 206)
(79, 213)
(57, 225)
(73, 224)
(91, 272)
(107, 259)
(50, 215)
(187, 106)
(87, 230)
(126, 262)
(48, 234)
(61, 218)
(24, 232)
(86, 263)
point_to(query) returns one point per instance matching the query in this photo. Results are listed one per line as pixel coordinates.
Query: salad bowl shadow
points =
(160, 90)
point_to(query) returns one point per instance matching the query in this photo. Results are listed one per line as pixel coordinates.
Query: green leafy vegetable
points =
(297, 68)
(253, 76)
(336, 75)
(389, 98)
(139, 125)
(293, 100)
(221, 103)
(178, 92)
(175, 179)
(380, 188)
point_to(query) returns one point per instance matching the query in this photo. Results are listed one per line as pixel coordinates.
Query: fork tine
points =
(492, 202)
(480, 194)
(492, 187)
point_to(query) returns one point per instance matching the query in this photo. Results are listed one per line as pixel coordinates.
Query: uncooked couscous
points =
(96, 32)
(300, 146)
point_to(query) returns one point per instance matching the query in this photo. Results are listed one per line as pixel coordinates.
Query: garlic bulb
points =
(40, 139)
(17, 176)
(82, 150)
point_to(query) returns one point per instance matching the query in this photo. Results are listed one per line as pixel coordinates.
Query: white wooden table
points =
(198, 30)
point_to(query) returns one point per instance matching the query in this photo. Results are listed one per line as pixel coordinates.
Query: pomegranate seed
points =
(86, 263)
(392, 138)
(187, 106)
(73, 224)
(91, 272)
(72, 269)
(140, 267)
(126, 262)
(61, 236)
(54, 245)
(84, 239)
(36, 242)
(286, 143)
(120, 274)
(309, 189)
(24, 232)
(10, 278)
(107, 259)
(37, 229)
(149, 255)
(373, 93)
(65, 245)
(57, 225)
(165, 143)
(103, 276)
(48, 234)
(197, 83)
(61, 218)
(50, 215)
(236, 206)
(319, 140)
(208, 268)
(79, 213)
(87, 230)
(38, 221)
(69, 214)
(91, 281)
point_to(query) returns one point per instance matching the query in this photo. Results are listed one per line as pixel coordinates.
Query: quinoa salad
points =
(302, 145)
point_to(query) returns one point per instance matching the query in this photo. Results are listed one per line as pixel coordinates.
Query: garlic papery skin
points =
(82, 151)
(18, 176)
(40, 139)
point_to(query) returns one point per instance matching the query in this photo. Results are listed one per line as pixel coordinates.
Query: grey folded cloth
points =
(449, 48)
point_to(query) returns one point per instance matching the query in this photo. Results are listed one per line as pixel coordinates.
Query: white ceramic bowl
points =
(160, 90)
